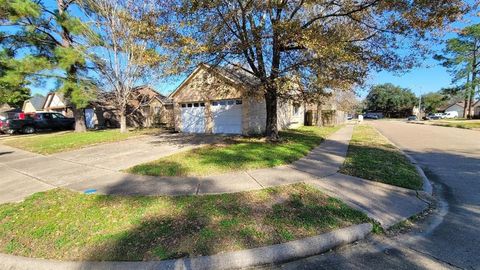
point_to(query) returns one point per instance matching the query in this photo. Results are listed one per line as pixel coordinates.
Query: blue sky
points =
(430, 76)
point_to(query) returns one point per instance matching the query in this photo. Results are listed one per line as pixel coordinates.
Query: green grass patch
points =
(238, 154)
(65, 141)
(371, 156)
(61, 224)
(465, 124)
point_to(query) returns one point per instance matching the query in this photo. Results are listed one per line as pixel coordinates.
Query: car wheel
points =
(28, 130)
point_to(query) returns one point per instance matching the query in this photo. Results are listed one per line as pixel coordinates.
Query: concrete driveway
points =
(23, 173)
(125, 154)
(448, 239)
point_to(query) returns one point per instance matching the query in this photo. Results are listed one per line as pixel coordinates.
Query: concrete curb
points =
(427, 185)
(232, 260)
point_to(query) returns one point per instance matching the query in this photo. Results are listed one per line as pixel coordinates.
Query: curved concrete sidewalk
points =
(386, 204)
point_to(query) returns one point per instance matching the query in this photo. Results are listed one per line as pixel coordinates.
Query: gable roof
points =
(37, 101)
(445, 107)
(147, 94)
(233, 74)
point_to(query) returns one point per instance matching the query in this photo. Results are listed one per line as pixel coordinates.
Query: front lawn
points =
(371, 156)
(238, 154)
(65, 141)
(61, 224)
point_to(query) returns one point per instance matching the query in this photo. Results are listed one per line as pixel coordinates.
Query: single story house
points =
(458, 107)
(147, 108)
(223, 100)
(33, 104)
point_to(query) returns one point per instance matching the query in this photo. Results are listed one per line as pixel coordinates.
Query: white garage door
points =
(227, 116)
(193, 118)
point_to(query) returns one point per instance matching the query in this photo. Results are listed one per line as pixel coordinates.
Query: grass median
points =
(238, 154)
(371, 156)
(66, 141)
(60, 224)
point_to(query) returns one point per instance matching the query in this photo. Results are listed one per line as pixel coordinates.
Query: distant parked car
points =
(30, 123)
(370, 116)
(434, 116)
(451, 114)
(412, 118)
(349, 117)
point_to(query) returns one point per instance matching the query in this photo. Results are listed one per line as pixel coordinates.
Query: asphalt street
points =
(449, 238)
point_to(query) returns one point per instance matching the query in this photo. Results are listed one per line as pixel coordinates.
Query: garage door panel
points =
(193, 119)
(227, 117)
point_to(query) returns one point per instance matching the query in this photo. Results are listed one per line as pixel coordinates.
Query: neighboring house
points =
(225, 100)
(457, 107)
(330, 114)
(33, 104)
(147, 108)
(476, 109)
(54, 102)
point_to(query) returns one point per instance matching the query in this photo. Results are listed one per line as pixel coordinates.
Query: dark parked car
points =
(370, 116)
(433, 116)
(412, 118)
(29, 123)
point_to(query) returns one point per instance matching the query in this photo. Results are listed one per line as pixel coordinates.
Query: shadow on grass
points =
(211, 224)
(234, 154)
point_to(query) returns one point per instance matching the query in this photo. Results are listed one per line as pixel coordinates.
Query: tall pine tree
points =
(46, 44)
(462, 57)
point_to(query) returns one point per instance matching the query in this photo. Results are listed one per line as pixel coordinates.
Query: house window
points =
(156, 109)
(238, 102)
(223, 103)
(184, 105)
(230, 102)
(215, 103)
(189, 105)
(296, 109)
(202, 104)
(195, 104)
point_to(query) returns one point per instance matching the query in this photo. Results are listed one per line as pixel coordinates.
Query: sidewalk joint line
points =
(254, 179)
(29, 175)
(198, 189)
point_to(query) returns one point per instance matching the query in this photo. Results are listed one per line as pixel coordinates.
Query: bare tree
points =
(127, 46)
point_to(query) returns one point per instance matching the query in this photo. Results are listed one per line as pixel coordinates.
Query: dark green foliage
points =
(392, 100)
(431, 102)
(43, 45)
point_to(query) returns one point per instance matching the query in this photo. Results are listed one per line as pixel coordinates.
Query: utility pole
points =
(419, 107)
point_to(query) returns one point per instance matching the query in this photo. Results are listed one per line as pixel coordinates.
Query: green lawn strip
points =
(465, 124)
(238, 154)
(59, 142)
(371, 156)
(61, 224)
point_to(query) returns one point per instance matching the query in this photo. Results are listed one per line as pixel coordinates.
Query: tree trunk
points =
(271, 128)
(79, 116)
(470, 102)
(318, 118)
(67, 41)
(123, 122)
